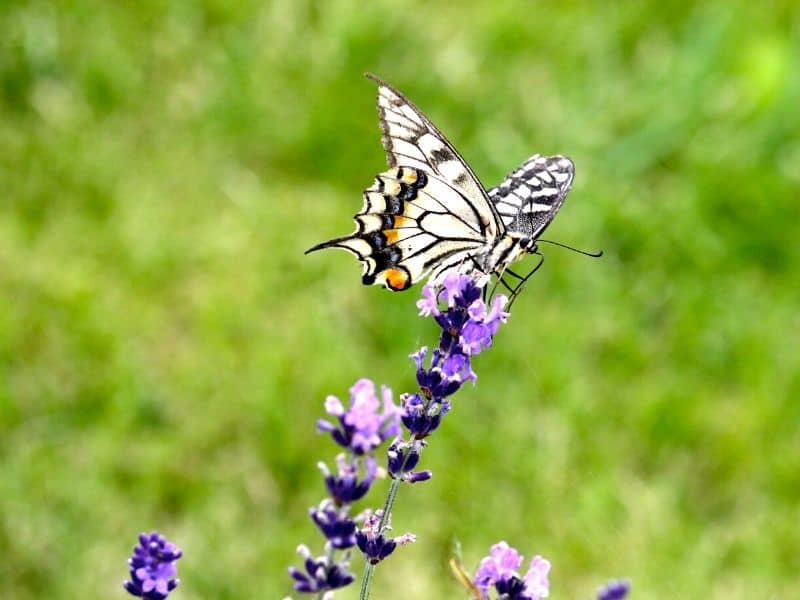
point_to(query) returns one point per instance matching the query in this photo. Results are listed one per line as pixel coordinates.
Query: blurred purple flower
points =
(614, 590)
(335, 524)
(152, 567)
(345, 486)
(322, 574)
(499, 571)
(363, 426)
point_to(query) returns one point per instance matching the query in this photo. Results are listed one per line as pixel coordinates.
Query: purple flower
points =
(402, 458)
(335, 524)
(362, 427)
(374, 544)
(345, 486)
(455, 287)
(429, 303)
(467, 326)
(321, 573)
(421, 418)
(537, 584)
(478, 332)
(152, 567)
(499, 570)
(445, 375)
(614, 590)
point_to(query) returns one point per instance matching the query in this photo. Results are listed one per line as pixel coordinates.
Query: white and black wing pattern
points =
(411, 139)
(531, 195)
(427, 212)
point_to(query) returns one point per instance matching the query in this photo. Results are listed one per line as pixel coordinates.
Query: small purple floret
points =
(338, 528)
(152, 567)
(421, 418)
(374, 545)
(345, 486)
(375, 548)
(402, 458)
(321, 575)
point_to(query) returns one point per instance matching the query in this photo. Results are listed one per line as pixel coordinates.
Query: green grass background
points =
(165, 347)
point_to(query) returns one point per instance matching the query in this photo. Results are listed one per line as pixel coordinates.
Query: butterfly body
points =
(429, 212)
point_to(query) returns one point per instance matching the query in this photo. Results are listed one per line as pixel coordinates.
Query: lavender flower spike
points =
(152, 567)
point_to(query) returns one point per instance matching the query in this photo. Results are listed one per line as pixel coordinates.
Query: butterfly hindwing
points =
(412, 222)
(531, 195)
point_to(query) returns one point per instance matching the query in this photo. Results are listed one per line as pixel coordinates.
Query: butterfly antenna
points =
(597, 254)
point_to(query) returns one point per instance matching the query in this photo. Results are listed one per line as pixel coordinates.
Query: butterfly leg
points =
(524, 280)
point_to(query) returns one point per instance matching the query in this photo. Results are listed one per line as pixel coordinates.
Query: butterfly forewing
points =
(531, 195)
(411, 139)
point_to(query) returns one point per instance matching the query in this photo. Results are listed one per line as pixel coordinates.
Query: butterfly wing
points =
(531, 195)
(427, 212)
(412, 222)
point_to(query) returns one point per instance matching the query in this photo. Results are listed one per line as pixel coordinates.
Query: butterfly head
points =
(527, 244)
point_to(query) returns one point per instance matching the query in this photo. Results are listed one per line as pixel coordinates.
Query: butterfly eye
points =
(526, 243)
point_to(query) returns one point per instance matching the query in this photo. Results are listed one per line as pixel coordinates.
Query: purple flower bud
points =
(152, 567)
(374, 544)
(421, 418)
(614, 590)
(435, 382)
(345, 487)
(375, 548)
(402, 458)
(335, 524)
(321, 574)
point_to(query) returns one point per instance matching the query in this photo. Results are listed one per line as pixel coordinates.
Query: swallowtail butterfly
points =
(429, 212)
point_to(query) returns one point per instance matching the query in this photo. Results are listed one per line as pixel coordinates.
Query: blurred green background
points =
(165, 347)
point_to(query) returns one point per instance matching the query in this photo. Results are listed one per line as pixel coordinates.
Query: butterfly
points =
(429, 212)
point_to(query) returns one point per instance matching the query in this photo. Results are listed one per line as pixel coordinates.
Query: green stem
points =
(369, 571)
(366, 582)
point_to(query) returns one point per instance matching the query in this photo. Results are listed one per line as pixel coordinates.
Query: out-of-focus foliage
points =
(165, 346)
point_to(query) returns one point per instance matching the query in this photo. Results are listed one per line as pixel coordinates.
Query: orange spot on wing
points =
(390, 235)
(401, 221)
(397, 279)
(408, 176)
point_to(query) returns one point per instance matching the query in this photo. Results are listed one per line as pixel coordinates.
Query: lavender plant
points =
(359, 430)
(468, 327)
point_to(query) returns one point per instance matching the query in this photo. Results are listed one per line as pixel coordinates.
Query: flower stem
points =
(366, 582)
(369, 571)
